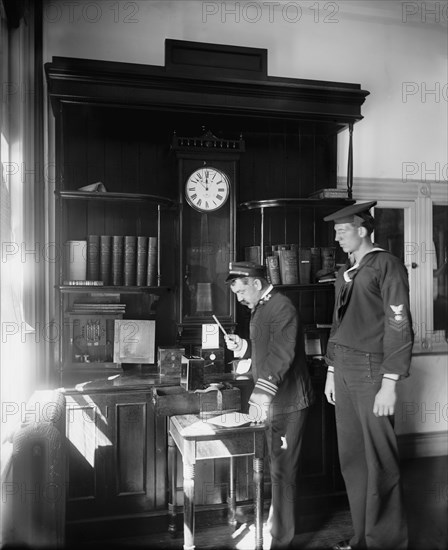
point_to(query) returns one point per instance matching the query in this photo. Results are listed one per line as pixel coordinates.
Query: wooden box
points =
(214, 359)
(192, 374)
(169, 361)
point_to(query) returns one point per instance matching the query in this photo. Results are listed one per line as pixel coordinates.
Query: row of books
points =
(115, 260)
(291, 264)
(105, 308)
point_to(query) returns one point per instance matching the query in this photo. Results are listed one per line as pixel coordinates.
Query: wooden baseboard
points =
(419, 445)
(138, 525)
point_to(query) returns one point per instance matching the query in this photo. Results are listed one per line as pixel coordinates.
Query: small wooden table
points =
(197, 439)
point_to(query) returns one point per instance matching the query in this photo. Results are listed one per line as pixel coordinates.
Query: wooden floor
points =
(425, 484)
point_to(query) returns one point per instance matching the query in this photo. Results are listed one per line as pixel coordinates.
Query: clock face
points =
(207, 189)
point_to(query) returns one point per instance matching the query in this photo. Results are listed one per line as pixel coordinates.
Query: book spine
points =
(266, 265)
(130, 260)
(152, 274)
(142, 260)
(93, 257)
(288, 267)
(304, 265)
(117, 260)
(315, 263)
(105, 258)
(328, 258)
(273, 270)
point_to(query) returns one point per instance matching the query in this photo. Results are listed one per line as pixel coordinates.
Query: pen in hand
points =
(219, 325)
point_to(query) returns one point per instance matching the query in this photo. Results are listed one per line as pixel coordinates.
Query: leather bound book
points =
(152, 262)
(93, 257)
(304, 265)
(328, 258)
(142, 261)
(315, 263)
(117, 259)
(130, 261)
(273, 270)
(105, 259)
(288, 267)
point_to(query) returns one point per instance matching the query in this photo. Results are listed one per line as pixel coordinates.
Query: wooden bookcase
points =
(89, 151)
(115, 123)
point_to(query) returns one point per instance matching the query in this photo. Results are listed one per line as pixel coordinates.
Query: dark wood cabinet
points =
(112, 454)
(115, 124)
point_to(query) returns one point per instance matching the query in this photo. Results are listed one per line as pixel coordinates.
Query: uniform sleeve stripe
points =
(266, 386)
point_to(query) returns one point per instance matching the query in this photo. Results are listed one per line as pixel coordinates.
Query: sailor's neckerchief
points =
(345, 292)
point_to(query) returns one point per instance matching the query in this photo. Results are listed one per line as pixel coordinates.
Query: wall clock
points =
(207, 189)
(208, 182)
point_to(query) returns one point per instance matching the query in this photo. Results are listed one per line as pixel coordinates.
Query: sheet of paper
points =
(230, 420)
(210, 336)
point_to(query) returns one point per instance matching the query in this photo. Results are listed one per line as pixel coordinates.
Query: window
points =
(20, 124)
(412, 222)
(440, 268)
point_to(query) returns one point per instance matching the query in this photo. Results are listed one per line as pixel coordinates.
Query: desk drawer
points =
(175, 400)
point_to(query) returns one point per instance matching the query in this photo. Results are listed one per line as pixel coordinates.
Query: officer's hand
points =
(329, 388)
(259, 405)
(385, 399)
(257, 413)
(233, 342)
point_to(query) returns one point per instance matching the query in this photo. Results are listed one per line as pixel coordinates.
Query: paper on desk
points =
(230, 420)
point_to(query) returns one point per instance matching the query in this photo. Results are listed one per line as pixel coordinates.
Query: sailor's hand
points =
(385, 399)
(329, 388)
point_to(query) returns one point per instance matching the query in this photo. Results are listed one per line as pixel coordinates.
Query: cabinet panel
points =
(112, 454)
(131, 447)
(87, 436)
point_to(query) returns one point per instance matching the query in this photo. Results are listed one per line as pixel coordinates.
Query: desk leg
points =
(189, 472)
(259, 498)
(172, 479)
(232, 494)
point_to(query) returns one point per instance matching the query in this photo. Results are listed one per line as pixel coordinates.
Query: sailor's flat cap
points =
(245, 269)
(349, 214)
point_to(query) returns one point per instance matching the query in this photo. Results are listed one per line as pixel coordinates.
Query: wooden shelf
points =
(84, 289)
(311, 286)
(295, 203)
(99, 196)
(94, 366)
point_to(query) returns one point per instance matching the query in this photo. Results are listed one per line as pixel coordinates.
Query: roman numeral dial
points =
(207, 189)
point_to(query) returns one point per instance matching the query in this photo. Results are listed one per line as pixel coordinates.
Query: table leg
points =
(172, 479)
(259, 498)
(189, 472)
(232, 494)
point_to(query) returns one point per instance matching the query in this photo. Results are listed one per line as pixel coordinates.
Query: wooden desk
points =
(198, 439)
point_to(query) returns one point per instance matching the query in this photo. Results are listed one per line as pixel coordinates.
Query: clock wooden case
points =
(208, 180)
